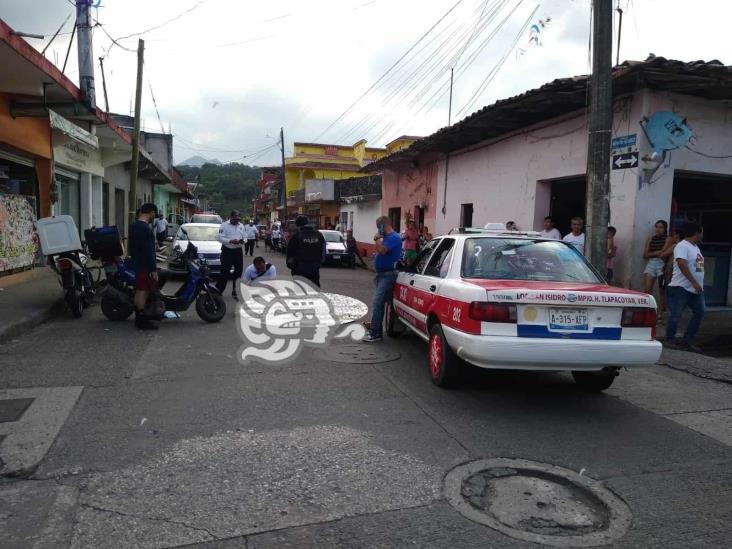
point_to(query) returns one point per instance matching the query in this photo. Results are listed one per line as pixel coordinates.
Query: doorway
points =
(568, 200)
(395, 214)
(466, 215)
(707, 199)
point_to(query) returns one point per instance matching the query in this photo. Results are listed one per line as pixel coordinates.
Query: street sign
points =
(624, 142)
(624, 161)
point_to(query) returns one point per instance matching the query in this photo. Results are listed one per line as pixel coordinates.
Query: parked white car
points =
(204, 236)
(517, 301)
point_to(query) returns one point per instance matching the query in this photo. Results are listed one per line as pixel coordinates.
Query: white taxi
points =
(516, 301)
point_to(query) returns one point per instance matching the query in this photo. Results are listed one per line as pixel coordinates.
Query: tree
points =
(228, 186)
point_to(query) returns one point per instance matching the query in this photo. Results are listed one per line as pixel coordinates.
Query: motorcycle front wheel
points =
(210, 307)
(114, 310)
(74, 302)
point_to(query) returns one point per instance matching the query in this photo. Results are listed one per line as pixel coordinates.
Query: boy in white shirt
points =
(577, 238)
(686, 289)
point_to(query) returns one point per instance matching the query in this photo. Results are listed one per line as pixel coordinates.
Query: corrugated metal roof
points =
(707, 79)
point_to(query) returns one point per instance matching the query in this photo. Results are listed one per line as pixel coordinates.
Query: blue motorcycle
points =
(118, 297)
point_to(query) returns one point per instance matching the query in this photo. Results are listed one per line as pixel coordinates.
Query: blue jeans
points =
(384, 289)
(678, 299)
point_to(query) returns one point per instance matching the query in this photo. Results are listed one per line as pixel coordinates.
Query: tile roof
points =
(707, 79)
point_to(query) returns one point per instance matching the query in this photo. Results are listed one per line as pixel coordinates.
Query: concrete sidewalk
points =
(28, 299)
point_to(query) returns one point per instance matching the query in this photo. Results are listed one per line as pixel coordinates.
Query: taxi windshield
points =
(523, 259)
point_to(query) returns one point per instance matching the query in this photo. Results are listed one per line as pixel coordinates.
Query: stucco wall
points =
(409, 188)
(510, 178)
(364, 216)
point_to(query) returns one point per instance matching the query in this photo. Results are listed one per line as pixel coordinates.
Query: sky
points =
(225, 75)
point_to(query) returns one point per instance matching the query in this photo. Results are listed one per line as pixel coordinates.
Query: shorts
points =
(654, 267)
(144, 283)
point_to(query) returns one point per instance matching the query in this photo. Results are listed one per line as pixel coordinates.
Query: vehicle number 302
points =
(456, 314)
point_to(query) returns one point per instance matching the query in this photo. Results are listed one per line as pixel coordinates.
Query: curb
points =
(32, 320)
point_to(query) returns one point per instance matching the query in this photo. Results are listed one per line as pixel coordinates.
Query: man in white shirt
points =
(161, 230)
(577, 238)
(250, 231)
(231, 236)
(549, 230)
(259, 270)
(686, 288)
(276, 236)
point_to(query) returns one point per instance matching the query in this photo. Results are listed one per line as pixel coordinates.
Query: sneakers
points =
(372, 338)
(142, 323)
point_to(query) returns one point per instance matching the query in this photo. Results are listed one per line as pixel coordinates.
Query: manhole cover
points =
(12, 409)
(357, 354)
(537, 502)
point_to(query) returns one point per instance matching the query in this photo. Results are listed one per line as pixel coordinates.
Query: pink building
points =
(525, 157)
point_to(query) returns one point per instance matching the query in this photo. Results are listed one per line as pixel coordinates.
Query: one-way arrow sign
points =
(624, 161)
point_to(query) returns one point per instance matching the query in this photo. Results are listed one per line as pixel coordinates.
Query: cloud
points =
(300, 65)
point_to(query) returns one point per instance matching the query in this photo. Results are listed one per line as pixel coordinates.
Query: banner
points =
(18, 238)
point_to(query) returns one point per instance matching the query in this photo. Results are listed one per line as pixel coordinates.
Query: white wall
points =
(364, 215)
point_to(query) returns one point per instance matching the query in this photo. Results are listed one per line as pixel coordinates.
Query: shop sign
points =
(18, 238)
(73, 131)
(74, 156)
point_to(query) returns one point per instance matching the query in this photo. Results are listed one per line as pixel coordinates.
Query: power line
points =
(364, 94)
(166, 22)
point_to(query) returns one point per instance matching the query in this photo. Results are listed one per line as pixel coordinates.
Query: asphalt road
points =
(164, 439)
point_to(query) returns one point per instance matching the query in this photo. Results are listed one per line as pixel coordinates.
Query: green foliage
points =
(227, 186)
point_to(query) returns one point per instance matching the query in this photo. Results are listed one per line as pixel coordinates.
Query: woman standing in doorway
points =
(655, 245)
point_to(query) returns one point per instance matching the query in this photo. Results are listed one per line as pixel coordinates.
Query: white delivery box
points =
(58, 234)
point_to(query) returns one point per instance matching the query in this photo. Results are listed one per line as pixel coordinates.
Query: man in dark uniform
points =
(144, 262)
(306, 251)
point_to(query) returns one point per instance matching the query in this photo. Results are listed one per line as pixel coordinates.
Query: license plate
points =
(574, 320)
(336, 257)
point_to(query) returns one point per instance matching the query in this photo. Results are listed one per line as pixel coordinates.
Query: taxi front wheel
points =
(595, 381)
(444, 365)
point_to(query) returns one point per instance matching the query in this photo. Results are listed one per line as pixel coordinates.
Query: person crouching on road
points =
(144, 263)
(306, 251)
(231, 236)
(259, 270)
(388, 251)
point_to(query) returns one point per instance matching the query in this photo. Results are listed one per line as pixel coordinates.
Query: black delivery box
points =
(103, 242)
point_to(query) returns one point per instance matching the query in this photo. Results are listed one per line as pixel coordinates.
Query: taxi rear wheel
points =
(595, 381)
(444, 365)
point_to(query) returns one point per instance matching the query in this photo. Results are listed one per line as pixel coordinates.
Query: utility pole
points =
(600, 127)
(104, 85)
(620, 30)
(84, 46)
(283, 186)
(136, 132)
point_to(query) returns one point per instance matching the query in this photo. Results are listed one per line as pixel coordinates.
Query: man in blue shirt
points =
(388, 252)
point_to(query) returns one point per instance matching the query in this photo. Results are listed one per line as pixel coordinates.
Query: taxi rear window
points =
(523, 259)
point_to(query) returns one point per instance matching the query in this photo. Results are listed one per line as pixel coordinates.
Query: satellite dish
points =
(667, 131)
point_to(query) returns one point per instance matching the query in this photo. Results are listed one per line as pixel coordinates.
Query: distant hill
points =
(198, 161)
(228, 186)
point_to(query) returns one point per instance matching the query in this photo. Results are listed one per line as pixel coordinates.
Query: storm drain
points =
(536, 502)
(356, 354)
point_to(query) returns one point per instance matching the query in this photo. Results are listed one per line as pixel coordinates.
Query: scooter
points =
(75, 279)
(118, 297)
